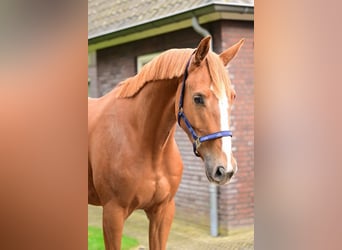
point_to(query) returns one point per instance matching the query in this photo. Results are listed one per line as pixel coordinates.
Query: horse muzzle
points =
(219, 174)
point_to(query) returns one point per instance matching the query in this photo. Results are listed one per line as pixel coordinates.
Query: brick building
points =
(123, 35)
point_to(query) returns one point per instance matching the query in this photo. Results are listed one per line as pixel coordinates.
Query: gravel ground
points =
(182, 236)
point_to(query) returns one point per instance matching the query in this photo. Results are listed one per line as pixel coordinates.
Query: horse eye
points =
(198, 99)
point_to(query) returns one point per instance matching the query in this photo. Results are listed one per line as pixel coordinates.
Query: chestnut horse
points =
(133, 159)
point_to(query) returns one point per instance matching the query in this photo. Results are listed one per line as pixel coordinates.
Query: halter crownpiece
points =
(197, 140)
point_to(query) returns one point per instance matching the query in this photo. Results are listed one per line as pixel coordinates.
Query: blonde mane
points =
(169, 65)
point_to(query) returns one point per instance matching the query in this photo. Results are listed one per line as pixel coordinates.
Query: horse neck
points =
(155, 113)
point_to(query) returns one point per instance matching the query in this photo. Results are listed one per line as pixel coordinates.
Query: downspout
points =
(212, 187)
(202, 31)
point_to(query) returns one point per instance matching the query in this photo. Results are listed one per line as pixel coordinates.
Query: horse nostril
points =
(219, 172)
(230, 174)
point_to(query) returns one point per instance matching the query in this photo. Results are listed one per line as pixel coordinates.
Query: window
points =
(144, 59)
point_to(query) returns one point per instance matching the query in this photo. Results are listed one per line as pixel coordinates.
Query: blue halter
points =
(197, 140)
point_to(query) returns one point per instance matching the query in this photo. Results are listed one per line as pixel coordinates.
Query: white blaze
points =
(226, 141)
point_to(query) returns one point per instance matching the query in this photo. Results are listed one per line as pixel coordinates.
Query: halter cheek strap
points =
(197, 140)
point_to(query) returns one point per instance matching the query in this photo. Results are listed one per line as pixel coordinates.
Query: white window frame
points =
(144, 59)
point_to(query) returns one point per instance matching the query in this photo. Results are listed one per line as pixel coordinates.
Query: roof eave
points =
(175, 17)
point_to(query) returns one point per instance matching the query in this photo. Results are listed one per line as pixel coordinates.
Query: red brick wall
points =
(237, 199)
(192, 200)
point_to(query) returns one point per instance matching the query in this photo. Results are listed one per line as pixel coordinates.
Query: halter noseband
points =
(197, 140)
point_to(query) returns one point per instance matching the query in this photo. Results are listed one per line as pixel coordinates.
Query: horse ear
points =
(202, 50)
(231, 52)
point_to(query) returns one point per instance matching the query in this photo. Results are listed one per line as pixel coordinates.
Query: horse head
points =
(206, 98)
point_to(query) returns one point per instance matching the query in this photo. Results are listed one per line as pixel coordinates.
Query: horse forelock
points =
(219, 75)
(168, 65)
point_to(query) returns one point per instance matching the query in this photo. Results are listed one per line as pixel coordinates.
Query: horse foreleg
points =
(113, 221)
(160, 223)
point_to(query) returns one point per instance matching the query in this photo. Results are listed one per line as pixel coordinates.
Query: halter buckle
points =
(197, 143)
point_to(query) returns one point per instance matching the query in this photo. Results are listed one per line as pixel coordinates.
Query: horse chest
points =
(154, 191)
